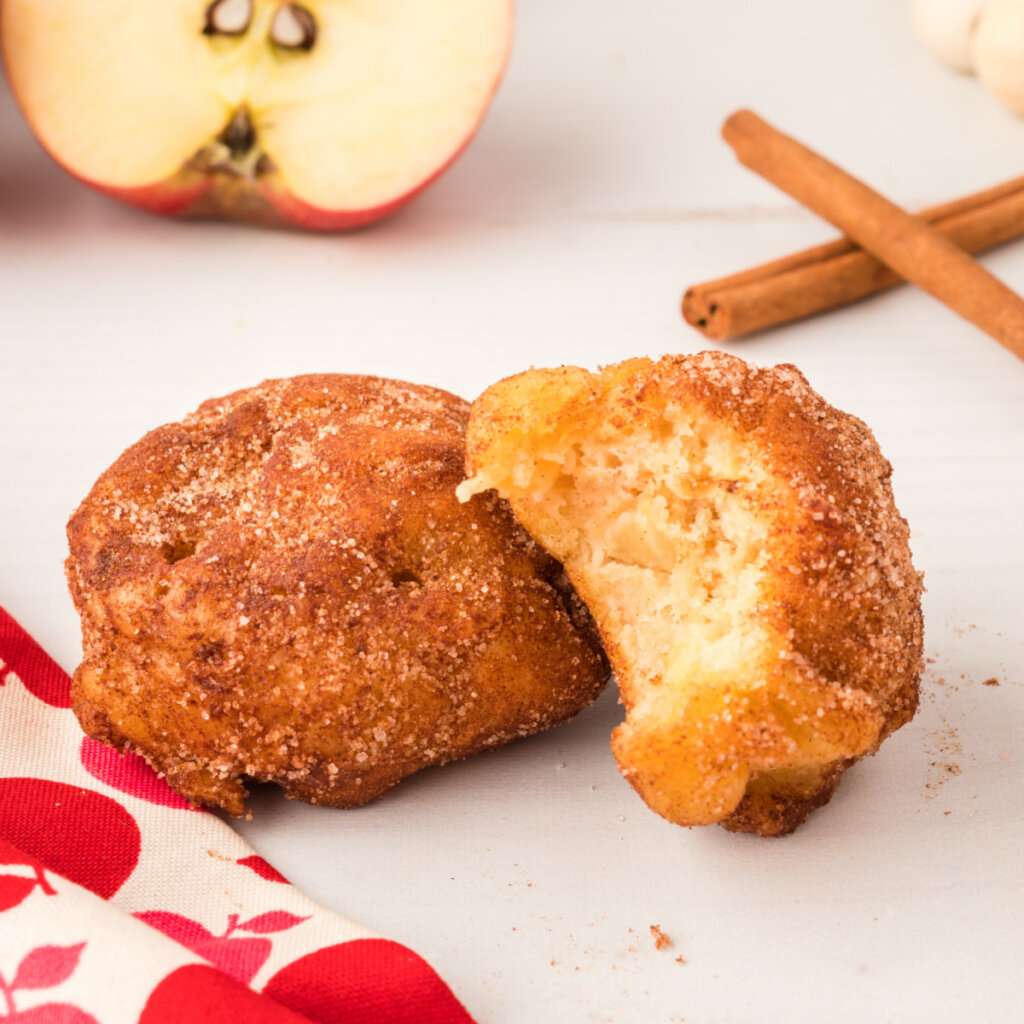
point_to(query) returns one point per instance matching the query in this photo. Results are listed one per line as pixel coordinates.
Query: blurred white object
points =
(948, 28)
(980, 37)
(998, 53)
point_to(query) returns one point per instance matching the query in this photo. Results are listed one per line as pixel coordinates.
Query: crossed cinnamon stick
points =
(884, 246)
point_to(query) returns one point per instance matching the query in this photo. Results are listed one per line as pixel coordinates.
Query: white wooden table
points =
(597, 189)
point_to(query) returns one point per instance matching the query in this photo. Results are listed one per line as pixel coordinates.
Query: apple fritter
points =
(736, 541)
(284, 588)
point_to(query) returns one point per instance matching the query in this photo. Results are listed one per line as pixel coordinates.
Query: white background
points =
(596, 191)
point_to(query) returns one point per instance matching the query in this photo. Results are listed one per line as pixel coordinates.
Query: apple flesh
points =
(324, 114)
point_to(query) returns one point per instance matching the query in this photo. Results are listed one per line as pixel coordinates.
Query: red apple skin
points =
(266, 201)
(171, 198)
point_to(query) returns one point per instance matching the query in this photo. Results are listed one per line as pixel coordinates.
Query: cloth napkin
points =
(121, 903)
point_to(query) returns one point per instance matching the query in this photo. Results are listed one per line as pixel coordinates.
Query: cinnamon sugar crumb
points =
(661, 940)
(991, 682)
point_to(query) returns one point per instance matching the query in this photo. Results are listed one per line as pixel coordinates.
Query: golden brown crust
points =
(837, 611)
(283, 587)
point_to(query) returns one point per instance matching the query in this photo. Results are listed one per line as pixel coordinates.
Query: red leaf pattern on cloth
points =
(239, 957)
(175, 926)
(16, 888)
(73, 828)
(47, 966)
(13, 889)
(129, 773)
(39, 673)
(52, 1013)
(273, 921)
(263, 868)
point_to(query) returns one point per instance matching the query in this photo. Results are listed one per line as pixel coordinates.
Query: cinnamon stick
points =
(905, 244)
(840, 272)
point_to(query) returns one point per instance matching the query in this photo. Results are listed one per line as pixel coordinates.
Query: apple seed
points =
(293, 28)
(228, 17)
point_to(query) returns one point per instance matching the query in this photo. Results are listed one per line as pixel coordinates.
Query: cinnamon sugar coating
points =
(736, 540)
(284, 588)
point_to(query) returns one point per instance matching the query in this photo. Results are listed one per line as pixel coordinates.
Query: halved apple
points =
(328, 114)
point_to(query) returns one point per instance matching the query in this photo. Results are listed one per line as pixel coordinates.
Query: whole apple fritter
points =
(284, 588)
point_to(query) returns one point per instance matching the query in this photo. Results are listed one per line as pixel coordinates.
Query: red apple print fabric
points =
(119, 902)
